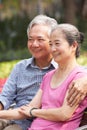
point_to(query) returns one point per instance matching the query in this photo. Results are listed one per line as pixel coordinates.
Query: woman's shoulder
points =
(50, 72)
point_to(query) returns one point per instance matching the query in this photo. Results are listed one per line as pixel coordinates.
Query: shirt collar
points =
(55, 65)
(30, 61)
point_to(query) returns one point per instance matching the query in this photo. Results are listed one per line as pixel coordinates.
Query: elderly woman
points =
(49, 106)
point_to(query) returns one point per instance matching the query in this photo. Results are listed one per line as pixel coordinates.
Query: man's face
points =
(38, 41)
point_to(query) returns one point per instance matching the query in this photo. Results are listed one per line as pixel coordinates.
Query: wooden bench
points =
(84, 118)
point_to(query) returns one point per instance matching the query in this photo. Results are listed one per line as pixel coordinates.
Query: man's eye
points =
(30, 39)
(41, 40)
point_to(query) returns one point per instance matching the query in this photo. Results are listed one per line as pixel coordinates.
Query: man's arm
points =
(15, 114)
(11, 114)
(1, 106)
(77, 91)
(7, 96)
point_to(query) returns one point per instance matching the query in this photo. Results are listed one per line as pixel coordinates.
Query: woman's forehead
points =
(57, 33)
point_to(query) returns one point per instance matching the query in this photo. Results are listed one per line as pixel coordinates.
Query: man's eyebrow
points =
(37, 37)
(40, 37)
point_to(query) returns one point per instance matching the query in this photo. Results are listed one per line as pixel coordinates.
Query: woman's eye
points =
(57, 43)
(50, 44)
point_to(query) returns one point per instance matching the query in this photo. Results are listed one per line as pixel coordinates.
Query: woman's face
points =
(60, 48)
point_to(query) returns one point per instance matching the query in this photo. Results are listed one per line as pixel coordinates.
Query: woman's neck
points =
(62, 72)
(67, 66)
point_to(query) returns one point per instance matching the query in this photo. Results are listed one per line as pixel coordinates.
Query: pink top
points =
(54, 97)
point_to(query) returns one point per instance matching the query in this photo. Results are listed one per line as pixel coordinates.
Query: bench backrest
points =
(84, 118)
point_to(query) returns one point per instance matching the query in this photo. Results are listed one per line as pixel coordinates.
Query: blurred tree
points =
(25, 7)
(16, 15)
(40, 7)
(69, 11)
(74, 9)
(84, 11)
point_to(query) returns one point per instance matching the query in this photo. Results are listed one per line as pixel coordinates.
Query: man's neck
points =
(43, 62)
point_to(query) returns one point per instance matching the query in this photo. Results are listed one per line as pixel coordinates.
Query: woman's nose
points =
(53, 48)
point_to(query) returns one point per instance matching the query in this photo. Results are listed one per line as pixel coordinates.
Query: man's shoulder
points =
(24, 62)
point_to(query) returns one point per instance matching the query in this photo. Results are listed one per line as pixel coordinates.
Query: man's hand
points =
(77, 91)
(1, 106)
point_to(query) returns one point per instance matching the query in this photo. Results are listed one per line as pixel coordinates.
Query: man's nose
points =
(35, 43)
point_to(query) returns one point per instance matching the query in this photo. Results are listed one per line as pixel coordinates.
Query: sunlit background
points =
(15, 16)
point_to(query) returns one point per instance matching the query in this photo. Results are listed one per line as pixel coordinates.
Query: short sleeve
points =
(80, 75)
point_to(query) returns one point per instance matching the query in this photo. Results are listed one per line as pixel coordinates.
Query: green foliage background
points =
(13, 38)
(6, 67)
(13, 31)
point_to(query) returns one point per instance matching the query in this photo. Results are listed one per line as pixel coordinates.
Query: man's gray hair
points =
(42, 20)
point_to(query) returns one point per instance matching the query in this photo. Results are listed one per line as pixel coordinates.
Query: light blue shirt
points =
(22, 85)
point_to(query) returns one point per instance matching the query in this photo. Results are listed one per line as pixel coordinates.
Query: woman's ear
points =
(75, 44)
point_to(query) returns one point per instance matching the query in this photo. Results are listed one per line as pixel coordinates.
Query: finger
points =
(78, 99)
(70, 91)
(23, 108)
(77, 96)
(72, 98)
(27, 105)
(24, 112)
(71, 86)
(21, 111)
(73, 92)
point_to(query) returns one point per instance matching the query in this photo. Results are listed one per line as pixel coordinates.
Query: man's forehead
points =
(32, 36)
